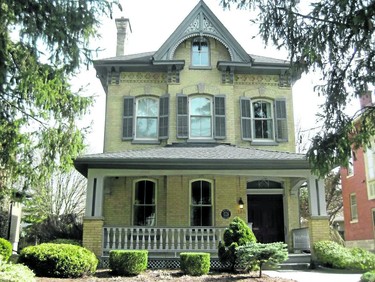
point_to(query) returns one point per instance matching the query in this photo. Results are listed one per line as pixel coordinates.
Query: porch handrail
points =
(162, 239)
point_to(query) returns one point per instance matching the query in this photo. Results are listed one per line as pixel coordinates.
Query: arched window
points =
(200, 55)
(263, 119)
(200, 112)
(144, 203)
(147, 112)
(201, 203)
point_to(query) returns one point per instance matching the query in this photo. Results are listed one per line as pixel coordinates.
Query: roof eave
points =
(83, 165)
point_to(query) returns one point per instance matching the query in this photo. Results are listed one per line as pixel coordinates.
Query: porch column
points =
(318, 222)
(93, 220)
(317, 200)
(94, 196)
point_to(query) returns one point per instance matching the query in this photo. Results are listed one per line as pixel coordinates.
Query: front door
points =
(266, 214)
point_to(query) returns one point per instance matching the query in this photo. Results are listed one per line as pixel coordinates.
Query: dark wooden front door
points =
(267, 215)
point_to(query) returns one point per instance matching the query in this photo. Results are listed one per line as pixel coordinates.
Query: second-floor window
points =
(147, 114)
(201, 117)
(263, 119)
(145, 118)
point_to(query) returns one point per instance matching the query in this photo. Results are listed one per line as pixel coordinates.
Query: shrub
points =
(255, 255)
(368, 276)
(333, 255)
(15, 272)
(5, 249)
(195, 264)
(66, 241)
(238, 234)
(128, 262)
(59, 260)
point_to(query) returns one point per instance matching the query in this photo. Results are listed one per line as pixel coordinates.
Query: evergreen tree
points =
(337, 40)
(42, 45)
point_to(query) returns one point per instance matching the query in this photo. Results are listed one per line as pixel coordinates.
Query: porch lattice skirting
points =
(165, 263)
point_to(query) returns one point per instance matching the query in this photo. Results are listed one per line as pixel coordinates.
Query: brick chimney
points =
(365, 99)
(121, 25)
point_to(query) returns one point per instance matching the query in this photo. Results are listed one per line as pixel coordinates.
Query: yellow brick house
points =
(196, 133)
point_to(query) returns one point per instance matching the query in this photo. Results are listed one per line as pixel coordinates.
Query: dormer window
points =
(200, 55)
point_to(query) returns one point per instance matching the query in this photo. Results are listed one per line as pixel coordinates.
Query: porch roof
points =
(194, 157)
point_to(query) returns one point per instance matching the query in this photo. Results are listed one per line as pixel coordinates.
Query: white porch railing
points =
(161, 239)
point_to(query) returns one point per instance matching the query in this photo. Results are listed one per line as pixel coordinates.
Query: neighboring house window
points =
(350, 169)
(200, 53)
(353, 207)
(145, 118)
(201, 117)
(263, 120)
(144, 203)
(201, 203)
(370, 163)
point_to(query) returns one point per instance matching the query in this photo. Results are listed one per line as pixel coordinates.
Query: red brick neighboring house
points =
(358, 188)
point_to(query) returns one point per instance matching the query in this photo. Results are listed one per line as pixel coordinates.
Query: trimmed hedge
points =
(128, 262)
(334, 255)
(59, 260)
(15, 272)
(195, 264)
(5, 249)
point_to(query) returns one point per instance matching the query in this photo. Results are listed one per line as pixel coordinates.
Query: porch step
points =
(297, 262)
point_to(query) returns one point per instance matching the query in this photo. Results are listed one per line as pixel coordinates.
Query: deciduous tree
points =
(336, 39)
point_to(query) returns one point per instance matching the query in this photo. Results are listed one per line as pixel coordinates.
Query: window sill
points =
(201, 141)
(264, 143)
(200, 68)
(354, 221)
(146, 142)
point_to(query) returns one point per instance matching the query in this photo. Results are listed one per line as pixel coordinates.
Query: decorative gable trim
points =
(202, 22)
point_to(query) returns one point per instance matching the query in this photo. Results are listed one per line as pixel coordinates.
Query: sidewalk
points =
(316, 275)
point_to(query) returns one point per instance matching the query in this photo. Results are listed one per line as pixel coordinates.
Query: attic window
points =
(200, 55)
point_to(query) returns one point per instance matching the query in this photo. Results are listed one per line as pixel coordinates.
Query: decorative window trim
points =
(130, 119)
(279, 121)
(212, 205)
(218, 117)
(134, 200)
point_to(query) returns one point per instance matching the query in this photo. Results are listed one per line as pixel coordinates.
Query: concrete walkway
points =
(316, 275)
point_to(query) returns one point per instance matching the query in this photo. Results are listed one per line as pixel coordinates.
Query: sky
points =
(152, 22)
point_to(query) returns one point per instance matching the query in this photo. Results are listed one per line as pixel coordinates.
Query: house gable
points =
(202, 22)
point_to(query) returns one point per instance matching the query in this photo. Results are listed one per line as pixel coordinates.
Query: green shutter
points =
(281, 120)
(245, 106)
(128, 117)
(219, 117)
(182, 116)
(163, 116)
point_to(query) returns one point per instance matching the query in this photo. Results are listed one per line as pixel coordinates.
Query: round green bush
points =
(195, 264)
(5, 249)
(59, 260)
(128, 262)
(15, 273)
(368, 276)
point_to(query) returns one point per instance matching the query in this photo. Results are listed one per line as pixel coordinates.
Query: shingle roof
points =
(147, 56)
(194, 157)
